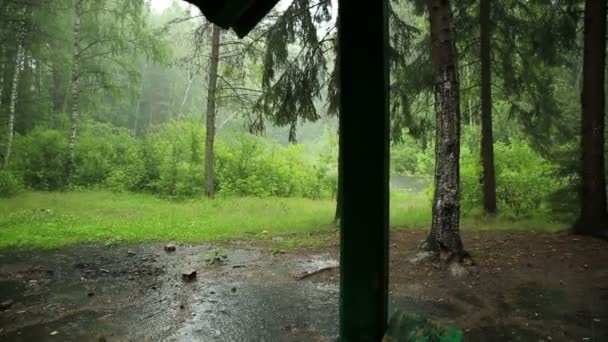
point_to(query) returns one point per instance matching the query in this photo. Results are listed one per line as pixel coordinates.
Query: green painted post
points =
(364, 123)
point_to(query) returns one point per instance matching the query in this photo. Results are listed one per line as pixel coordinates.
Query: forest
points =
(142, 122)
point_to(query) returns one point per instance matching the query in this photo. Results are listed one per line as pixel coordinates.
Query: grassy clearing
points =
(46, 220)
(55, 219)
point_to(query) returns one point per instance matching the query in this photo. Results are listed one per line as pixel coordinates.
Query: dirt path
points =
(525, 287)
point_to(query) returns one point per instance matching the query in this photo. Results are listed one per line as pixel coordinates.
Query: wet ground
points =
(524, 287)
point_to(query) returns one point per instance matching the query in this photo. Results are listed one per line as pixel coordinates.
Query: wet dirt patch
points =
(503, 333)
(136, 292)
(72, 327)
(537, 301)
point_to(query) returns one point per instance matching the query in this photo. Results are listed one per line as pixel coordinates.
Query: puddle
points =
(313, 263)
(76, 327)
(262, 312)
(255, 296)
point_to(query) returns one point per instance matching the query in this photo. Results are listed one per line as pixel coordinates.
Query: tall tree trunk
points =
(211, 96)
(181, 107)
(445, 233)
(140, 98)
(56, 93)
(137, 108)
(487, 140)
(13, 99)
(74, 117)
(469, 102)
(593, 219)
(38, 78)
(2, 63)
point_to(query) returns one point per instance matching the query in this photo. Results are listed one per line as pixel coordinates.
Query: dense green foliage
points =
(526, 181)
(141, 94)
(168, 161)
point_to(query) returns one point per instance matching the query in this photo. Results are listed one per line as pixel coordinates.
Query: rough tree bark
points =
(487, 140)
(445, 233)
(10, 127)
(74, 117)
(593, 219)
(211, 98)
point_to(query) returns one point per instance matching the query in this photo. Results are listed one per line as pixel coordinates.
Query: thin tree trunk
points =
(2, 63)
(445, 233)
(139, 100)
(593, 219)
(56, 93)
(211, 96)
(13, 100)
(470, 102)
(74, 118)
(487, 139)
(181, 107)
(173, 103)
(136, 118)
(38, 78)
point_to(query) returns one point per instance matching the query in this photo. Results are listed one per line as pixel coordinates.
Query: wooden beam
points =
(364, 127)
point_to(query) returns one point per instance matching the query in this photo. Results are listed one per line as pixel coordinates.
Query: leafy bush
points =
(174, 157)
(524, 180)
(9, 184)
(170, 161)
(408, 158)
(39, 158)
(249, 165)
(107, 155)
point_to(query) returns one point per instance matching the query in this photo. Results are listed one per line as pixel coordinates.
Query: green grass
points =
(410, 210)
(47, 220)
(103, 216)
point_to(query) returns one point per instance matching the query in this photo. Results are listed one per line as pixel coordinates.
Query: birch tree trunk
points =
(445, 230)
(593, 219)
(10, 134)
(181, 107)
(210, 124)
(74, 117)
(487, 136)
(2, 63)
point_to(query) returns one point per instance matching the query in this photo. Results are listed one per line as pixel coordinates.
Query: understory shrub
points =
(408, 158)
(109, 156)
(524, 180)
(169, 161)
(39, 158)
(9, 184)
(249, 165)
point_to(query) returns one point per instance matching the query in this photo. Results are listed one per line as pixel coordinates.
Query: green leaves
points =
(295, 66)
(524, 180)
